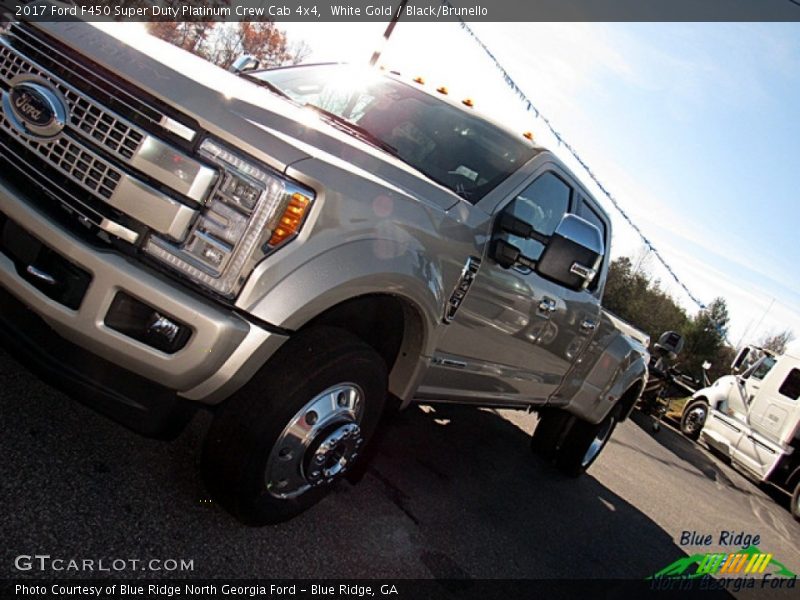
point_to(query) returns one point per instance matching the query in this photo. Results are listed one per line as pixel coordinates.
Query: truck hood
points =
(247, 116)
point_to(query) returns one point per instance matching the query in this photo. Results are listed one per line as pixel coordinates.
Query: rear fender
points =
(617, 370)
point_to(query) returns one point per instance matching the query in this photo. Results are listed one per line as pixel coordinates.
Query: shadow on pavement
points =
(683, 448)
(488, 506)
(451, 493)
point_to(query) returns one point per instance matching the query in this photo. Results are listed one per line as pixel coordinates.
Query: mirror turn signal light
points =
(291, 219)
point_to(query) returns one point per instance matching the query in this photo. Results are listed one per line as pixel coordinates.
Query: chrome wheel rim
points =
(694, 419)
(319, 444)
(598, 442)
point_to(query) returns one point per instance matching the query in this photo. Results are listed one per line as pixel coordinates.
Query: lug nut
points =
(311, 417)
(282, 483)
(320, 458)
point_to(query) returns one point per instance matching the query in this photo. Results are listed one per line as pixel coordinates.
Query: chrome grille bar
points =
(144, 152)
(81, 166)
(75, 205)
(28, 36)
(99, 124)
(93, 173)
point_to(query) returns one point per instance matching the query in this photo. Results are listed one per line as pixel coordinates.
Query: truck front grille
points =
(73, 160)
(128, 163)
(86, 115)
(53, 190)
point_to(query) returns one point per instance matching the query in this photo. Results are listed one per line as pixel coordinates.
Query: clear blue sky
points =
(694, 127)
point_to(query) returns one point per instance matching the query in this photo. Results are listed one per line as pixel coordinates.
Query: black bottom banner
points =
(388, 589)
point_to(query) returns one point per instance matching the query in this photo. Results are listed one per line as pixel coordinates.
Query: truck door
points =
(728, 423)
(516, 334)
(772, 417)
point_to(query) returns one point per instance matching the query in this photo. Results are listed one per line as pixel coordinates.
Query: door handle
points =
(547, 305)
(588, 325)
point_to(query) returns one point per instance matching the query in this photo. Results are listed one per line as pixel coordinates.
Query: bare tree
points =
(221, 43)
(225, 45)
(642, 259)
(298, 52)
(189, 35)
(777, 342)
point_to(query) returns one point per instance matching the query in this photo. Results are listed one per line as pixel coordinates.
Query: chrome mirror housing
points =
(573, 254)
(244, 63)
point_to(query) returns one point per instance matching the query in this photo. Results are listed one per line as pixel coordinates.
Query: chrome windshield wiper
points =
(267, 84)
(355, 130)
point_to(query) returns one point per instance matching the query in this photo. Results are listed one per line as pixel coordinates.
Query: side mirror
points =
(504, 252)
(573, 253)
(741, 359)
(244, 63)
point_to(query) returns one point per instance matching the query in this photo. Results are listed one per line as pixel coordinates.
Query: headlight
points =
(253, 211)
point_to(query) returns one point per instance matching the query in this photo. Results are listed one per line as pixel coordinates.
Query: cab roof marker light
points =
(468, 102)
(528, 135)
(442, 89)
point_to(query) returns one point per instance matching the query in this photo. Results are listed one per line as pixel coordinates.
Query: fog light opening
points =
(145, 324)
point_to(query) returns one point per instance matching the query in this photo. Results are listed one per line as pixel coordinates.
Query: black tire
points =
(576, 452)
(796, 502)
(240, 445)
(691, 420)
(546, 436)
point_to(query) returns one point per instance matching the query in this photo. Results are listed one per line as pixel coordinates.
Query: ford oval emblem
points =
(35, 108)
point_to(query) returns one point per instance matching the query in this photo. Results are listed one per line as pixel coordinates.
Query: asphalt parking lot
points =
(452, 493)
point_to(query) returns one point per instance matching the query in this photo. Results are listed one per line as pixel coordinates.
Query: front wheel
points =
(693, 418)
(276, 448)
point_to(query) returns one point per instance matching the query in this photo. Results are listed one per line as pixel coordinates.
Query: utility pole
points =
(389, 29)
(766, 312)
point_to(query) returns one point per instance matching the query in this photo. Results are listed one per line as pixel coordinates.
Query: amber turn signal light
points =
(291, 219)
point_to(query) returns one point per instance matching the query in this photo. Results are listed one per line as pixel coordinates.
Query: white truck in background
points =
(754, 418)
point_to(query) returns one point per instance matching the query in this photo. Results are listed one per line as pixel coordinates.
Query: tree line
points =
(222, 43)
(637, 297)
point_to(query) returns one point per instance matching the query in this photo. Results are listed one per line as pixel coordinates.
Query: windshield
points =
(451, 146)
(760, 369)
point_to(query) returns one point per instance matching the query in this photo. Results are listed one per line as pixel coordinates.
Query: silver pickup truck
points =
(294, 250)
